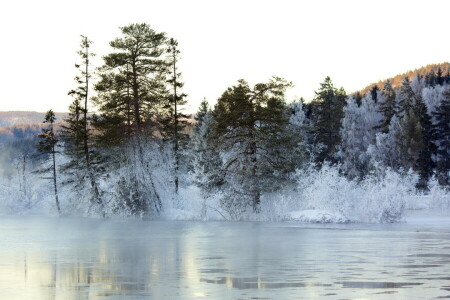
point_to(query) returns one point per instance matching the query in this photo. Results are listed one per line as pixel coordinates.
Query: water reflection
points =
(95, 259)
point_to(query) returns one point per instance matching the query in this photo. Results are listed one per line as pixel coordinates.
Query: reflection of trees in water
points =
(112, 267)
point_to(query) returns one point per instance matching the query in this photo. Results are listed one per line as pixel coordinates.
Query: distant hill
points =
(397, 80)
(20, 125)
(14, 118)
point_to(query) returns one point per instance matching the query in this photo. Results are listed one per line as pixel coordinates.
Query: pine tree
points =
(79, 124)
(174, 126)
(201, 113)
(410, 140)
(327, 118)
(374, 93)
(248, 123)
(358, 98)
(406, 97)
(439, 77)
(132, 100)
(206, 159)
(297, 135)
(442, 131)
(425, 164)
(46, 145)
(132, 92)
(388, 107)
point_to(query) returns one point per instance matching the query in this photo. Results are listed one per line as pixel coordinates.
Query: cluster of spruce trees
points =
(138, 148)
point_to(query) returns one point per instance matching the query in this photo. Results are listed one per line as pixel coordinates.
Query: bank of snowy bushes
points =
(326, 196)
(317, 195)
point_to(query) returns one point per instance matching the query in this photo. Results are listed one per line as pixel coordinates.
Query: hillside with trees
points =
(431, 74)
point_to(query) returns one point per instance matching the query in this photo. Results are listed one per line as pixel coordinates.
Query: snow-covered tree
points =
(357, 134)
(388, 106)
(206, 160)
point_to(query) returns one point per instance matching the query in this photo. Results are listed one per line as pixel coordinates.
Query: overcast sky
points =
(354, 42)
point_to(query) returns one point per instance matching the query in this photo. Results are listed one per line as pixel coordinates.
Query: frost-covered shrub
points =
(439, 195)
(377, 198)
(384, 196)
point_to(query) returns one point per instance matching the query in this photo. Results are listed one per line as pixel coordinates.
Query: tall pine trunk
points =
(93, 182)
(175, 122)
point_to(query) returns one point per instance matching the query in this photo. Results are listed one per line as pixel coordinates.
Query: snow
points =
(316, 216)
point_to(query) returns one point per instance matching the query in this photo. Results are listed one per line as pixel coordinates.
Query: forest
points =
(127, 148)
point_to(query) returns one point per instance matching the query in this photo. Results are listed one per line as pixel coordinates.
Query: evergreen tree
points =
(327, 118)
(406, 97)
(77, 129)
(132, 99)
(425, 162)
(385, 152)
(201, 113)
(248, 126)
(419, 147)
(430, 79)
(173, 126)
(206, 159)
(297, 135)
(447, 77)
(132, 92)
(442, 130)
(439, 77)
(387, 107)
(374, 93)
(358, 98)
(410, 140)
(357, 134)
(46, 145)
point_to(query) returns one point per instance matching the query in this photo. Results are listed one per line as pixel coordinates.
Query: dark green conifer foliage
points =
(374, 93)
(201, 113)
(327, 119)
(442, 134)
(206, 161)
(406, 97)
(248, 126)
(410, 140)
(358, 98)
(46, 145)
(132, 92)
(387, 107)
(176, 121)
(439, 77)
(425, 164)
(132, 99)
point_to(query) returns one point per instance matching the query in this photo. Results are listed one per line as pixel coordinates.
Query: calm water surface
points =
(51, 258)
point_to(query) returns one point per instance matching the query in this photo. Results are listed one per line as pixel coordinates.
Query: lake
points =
(75, 258)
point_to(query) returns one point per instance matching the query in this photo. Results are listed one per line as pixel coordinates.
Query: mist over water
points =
(69, 258)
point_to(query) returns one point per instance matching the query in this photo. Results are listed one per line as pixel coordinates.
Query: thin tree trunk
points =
(94, 185)
(54, 180)
(137, 114)
(175, 121)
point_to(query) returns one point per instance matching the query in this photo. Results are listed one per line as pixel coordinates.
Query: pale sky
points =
(354, 42)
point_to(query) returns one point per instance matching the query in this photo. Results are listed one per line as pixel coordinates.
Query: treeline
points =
(433, 74)
(133, 156)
